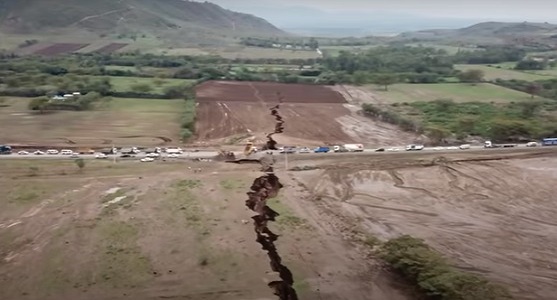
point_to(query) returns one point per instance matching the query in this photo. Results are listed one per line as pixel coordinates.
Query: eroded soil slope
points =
(494, 217)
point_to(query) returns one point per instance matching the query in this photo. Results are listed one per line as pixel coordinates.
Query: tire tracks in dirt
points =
(399, 183)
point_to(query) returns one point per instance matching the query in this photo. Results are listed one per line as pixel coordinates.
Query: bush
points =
(430, 271)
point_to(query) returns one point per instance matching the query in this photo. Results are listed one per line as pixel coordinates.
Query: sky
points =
(515, 10)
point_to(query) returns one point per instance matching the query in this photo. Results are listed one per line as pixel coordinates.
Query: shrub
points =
(431, 272)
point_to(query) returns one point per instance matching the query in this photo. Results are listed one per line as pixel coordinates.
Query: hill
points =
(490, 32)
(125, 16)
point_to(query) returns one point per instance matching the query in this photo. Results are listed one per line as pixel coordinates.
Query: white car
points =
(414, 147)
(304, 150)
(464, 146)
(38, 152)
(52, 151)
(173, 155)
(74, 155)
(66, 152)
(453, 148)
(101, 156)
(147, 159)
(152, 155)
(532, 144)
(23, 153)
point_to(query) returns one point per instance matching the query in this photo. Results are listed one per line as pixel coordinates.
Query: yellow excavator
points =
(249, 149)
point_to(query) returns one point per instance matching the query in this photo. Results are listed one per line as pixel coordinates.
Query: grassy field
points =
(125, 84)
(332, 51)
(505, 72)
(458, 92)
(122, 121)
(233, 52)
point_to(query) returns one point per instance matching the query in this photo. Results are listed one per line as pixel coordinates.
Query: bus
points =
(549, 142)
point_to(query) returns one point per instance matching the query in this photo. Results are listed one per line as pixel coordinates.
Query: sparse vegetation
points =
(431, 272)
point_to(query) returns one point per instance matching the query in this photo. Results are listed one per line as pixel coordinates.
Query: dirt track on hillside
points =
(493, 217)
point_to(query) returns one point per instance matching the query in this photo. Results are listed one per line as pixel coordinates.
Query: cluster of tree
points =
(392, 60)
(506, 122)
(434, 275)
(386, 115)
(489, 55)
(531, 64)
(188, 119)
(84, 102)
(312, 43)
(37, 84)
(541, 88)
(27, 43)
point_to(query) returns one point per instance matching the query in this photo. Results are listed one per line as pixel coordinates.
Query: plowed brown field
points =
(60, 48)
(113, 47)
(313, 115)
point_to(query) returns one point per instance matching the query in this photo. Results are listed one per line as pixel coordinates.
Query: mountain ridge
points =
(117, 16)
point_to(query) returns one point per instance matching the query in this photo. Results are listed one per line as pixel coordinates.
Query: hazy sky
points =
(517, 10)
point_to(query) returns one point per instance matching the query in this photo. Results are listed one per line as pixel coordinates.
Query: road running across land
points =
(211, 154)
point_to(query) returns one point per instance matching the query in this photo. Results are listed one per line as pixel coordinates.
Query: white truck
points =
(174, 150)
(349, 148)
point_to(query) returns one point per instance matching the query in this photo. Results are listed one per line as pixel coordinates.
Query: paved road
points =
(211, 154)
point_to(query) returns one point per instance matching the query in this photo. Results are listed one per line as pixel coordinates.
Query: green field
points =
(450, 49)
(125, 84)
(505, 72)
(458, 92)
(121, 121)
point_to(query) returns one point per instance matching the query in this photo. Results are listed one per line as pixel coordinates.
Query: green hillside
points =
(138, 16)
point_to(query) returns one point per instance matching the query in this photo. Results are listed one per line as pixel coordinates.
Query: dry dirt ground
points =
(130, 230)
(162, 231)
(491, 216)
(229, 112)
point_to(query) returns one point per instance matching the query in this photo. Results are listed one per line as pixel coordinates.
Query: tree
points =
(530, 64)
(437, 134)
(385, 80)
(80, 163)
(141, 87)
(360, 77)
(529, 108)
(38, 104)
(471, 76)
(533, 89)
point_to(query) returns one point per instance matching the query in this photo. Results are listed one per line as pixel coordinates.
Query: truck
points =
(489, 144)
(349, 148)
(5, 149)
(549, 142)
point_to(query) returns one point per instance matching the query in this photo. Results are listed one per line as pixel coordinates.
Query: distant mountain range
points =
(111, 16)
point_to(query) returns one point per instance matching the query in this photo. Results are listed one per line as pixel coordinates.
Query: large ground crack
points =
(262, 189)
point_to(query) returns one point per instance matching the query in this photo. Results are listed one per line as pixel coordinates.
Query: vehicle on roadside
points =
(173, 155)
(304, 150)
(52, 151)
(349, 148)
(549, 142)
(147, 159)
(5, 149)
(152, 154)
(130, 150)
(174, 150)
(380, 150)
(392, 149)
(489, 144)
(464, 146)
(126, 155)
(74, 155)
(101, 156)
(22, 152)
(85, 151)
(38, 152)
(66, 152)
(452, 148)
(288, 150)
(322, 149)
(438, 148)
(414, 147)
(532, 144)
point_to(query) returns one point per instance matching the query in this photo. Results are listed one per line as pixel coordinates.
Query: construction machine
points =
(249, 149)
